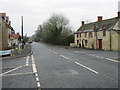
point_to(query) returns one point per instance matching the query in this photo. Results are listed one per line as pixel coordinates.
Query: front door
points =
(100, 43)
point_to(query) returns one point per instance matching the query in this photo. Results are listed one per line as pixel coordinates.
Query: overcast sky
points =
(35, 12)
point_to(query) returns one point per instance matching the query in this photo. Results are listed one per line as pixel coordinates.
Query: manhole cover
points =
(66, 72)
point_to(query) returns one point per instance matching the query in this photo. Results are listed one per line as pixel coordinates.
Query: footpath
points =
(25, 52)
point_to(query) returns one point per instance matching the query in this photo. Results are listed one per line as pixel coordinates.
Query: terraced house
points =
(6, 32)
(102, 34)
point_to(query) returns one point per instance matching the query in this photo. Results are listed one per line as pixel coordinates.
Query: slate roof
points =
(110, 23)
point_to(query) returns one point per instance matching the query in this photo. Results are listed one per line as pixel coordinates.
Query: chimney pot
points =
(3, 15)
(99, 18)
(9, 22)
(83, 23)
(7, 19)
(119, 14)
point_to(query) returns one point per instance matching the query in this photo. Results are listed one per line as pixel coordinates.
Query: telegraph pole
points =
(22, 31)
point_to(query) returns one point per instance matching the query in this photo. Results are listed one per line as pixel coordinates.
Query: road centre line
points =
(111, 60)
(77, 51)
(86, 68)
(54, 52)
(49, 49)
(11, 70)
(64, 57)
(99, 57)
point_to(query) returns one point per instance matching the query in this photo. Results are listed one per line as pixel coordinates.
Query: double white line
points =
(35, 71)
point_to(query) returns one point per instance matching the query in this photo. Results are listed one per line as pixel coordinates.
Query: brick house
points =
(103, 34)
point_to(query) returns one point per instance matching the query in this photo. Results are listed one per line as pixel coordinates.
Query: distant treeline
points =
(55, 30)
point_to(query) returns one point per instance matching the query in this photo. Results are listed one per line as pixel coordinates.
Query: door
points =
(100, 43)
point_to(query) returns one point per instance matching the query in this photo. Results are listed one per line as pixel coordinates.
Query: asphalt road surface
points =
(57, 67)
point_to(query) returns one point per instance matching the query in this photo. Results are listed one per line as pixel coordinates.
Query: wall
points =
(4, 35)
(115, 38)
(0, 34)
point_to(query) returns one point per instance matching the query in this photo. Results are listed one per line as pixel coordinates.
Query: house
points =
(6, 32)
(17, 39)
(102, 34)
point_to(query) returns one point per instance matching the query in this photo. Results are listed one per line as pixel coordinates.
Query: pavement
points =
(25, 52)
(57, 67)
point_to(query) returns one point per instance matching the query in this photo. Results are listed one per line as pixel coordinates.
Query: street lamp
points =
(22, 31)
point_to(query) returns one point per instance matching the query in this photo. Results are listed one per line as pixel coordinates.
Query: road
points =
(57, 67)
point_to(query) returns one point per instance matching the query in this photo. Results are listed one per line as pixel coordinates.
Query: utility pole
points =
(22, 32)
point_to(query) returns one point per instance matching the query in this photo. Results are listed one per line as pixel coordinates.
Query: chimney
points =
(9, 23)
(119, 9)
(83, 23)
(3, 15)
(119, 14)
(99, 18)
(7, 19)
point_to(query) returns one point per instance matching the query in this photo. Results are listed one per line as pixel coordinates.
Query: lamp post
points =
(22, 31)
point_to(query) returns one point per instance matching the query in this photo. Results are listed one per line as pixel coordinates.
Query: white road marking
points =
(77, 51)
(27, 61)
(64, 57)
(81, 52)
(87, 68)
(11, 70)
(35, 71)
(37, 79)
(102, 57)
(36, 74)
(50, 50)
(54, 52)
(90, 54)
(97, 56)
(38, 84)
(111, 60)
(19, 74)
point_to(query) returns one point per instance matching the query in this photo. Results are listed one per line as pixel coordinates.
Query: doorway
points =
(100, 43)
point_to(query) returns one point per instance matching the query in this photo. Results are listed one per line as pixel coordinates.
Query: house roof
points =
(16, 36)
(110, 23)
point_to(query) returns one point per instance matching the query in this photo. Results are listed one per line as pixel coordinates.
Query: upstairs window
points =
(90, 35)
(80, 34)
(104, 27)
(85, 34)
(77, 35)
(104, 32)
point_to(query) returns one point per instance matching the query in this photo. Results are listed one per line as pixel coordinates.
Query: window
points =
(104, 27)
(77, 34)
(104, 32)
(77, 41)
(85, 42)
(85, 34)
(80, 34)
(90, 35)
